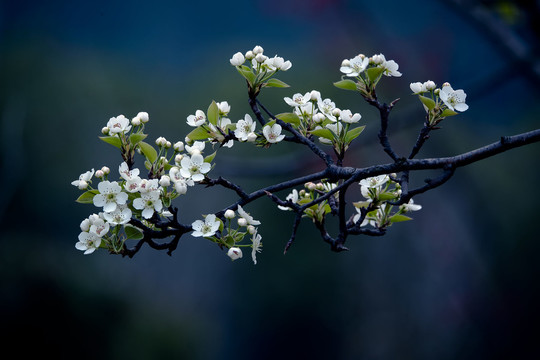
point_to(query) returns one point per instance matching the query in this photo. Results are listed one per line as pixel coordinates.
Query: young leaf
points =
(374, 73)
(346, 85)
(148, 150)
(113, 140)
(399, 218)
(87, 197)
(213, 113)
(276, 83)
(448, 112)
(199, 133)
(133, 232)
(429, 103)
(210, 157)
(324, 133)
(246, 73)
(137, 138)
(353, 134)
(290, 118)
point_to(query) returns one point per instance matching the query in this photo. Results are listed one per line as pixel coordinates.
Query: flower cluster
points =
(378, 210)
(260, 70)
(310, 193)
(367, 71)
(320, 117)
(231, 238)
(439, 103)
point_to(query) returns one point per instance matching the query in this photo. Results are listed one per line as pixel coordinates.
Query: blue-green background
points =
(460, 281)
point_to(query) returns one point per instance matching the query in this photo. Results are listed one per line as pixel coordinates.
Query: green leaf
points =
(213, 113)
(353, 134)
(290, 118)
(246, 73)
(448, 112)
(374, 73)
(137, 138)
(276, 83)
(87, 197)
(210, 157)
(324, 133)
(429, 103)
(399, 218)
(113, 140)
(199, 133)
(133, 232)
(149, 152)
(346, 85)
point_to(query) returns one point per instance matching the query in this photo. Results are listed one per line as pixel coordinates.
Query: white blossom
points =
(207, 228)
(410, 206)
(119, 124)
(237, 59)
(249, 219)
(418, 88)
(120, 216)
(256, 246)
(277, 63)
(292, 197)
(110, 195)
(354, 66)
(348, 117)
(148, 185)
(196, 148)
(244, 127)
(84, 178)
(148, 203)
(390, 68)
(273, 133)
(454, 99)
(223, 107)
(99, 227)
(196, 120)
(298, 99)
(194, 167)
(127, 174)
(88, 242)
(327, 106)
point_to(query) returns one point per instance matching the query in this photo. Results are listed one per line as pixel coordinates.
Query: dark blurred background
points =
(460, 281)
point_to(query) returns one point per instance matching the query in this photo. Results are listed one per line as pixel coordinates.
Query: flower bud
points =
(336, 112)
(168, 144)
(242, 221)
(250, 55)
(251, 137)
(251, 229)
(178, 146)
(446, 84)
(105, 130)
(188, 141)
(180, 187)
(85, 225)
(234, 253)
(377, 59)
(302, 193)
(165, 181)
(417, 87)
(178, 158)
(100, 173)
(136, 121)
(258, 50)
(237, 59)
(82, 185)
(163, 160)
(260, 58)
(318, 118)
(310, 186)
(346, 63)
(315, 95)
(430, 85)
(105, 170)
(229, 214)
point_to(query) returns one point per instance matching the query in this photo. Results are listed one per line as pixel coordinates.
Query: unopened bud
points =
(251, 137)
(82, 184)
(105, 170)
(242, 221)
(136, 121)
(315, 95)
(165, 181)
(430, 85)
(446, 84)
(310, 186)
(336, 112)
(229, 214)
(168, 144)
(234, 253)
(346, 63)
(250, 55)
(260, 58)
(178, 146)
(318, 118)
(251, 229)
(178, 158)
(105, 130)
(258, 50)
(180, 188)
(85, 225)
(143, 115)
(100, 173)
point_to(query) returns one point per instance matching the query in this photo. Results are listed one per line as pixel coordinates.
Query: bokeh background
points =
(460, 281)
